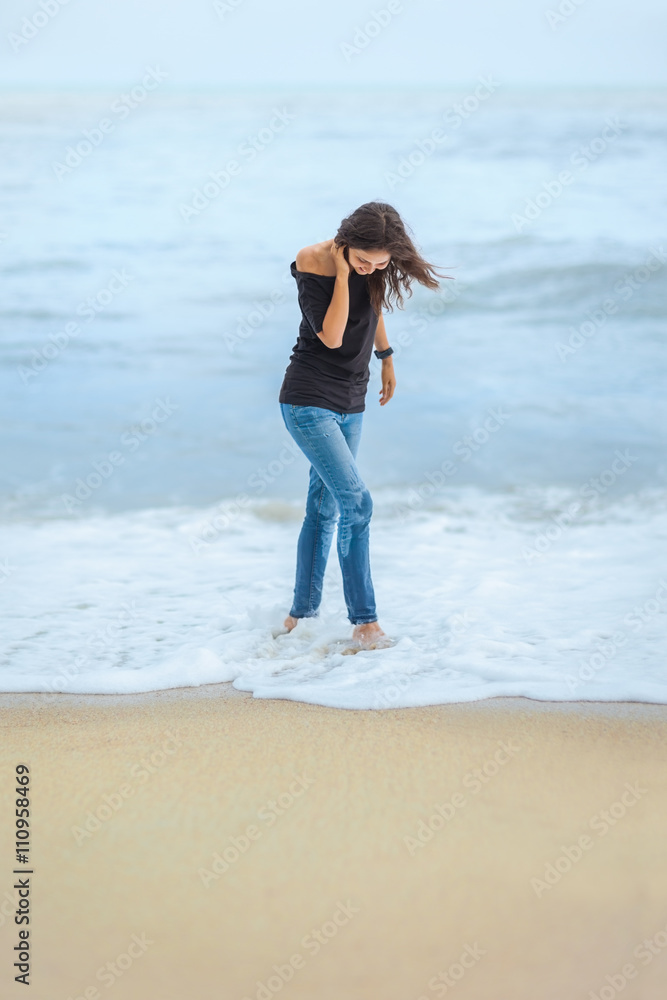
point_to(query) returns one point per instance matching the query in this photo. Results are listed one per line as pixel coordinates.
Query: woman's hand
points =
(342, 266)
(388, 380)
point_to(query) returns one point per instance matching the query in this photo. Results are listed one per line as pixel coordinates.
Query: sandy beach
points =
(200, 842)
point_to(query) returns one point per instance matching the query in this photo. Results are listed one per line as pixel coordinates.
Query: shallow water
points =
(485, 595)
(532, 382)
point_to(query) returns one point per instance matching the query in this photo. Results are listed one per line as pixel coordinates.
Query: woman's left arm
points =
(388, 377)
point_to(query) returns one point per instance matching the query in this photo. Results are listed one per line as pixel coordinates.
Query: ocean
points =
(151, 496)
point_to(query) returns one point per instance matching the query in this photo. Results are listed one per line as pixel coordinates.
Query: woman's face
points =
(367, 261)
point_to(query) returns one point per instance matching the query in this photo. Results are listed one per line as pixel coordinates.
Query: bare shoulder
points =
(316, 259)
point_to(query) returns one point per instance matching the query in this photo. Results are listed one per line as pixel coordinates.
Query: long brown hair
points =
(378, 226)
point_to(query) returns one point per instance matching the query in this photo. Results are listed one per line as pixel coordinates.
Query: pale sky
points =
(218, 43)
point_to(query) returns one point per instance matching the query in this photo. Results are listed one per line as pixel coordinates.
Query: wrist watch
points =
(385, 353)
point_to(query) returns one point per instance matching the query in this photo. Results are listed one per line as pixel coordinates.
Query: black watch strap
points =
(384, 354)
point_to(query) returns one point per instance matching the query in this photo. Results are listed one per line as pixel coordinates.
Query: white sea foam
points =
(138, 602)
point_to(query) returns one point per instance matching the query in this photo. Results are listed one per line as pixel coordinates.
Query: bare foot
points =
(370, 636)
(290, 623)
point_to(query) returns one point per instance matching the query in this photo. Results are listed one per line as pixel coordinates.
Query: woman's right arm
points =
(335, 320)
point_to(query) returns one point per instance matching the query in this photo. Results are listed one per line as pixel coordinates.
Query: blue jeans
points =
(330, 441)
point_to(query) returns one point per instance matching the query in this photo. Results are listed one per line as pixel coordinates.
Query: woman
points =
(343, 284)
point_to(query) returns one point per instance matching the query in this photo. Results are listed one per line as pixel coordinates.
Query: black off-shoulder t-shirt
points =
(334, 378)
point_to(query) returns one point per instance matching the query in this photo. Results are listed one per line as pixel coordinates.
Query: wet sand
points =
(202, 843)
